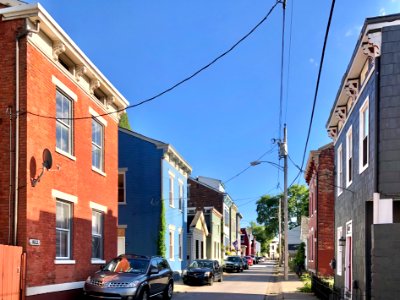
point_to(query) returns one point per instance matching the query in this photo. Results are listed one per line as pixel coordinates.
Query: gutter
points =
(19, 36)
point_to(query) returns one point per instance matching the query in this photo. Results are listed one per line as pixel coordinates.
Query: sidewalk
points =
(281, 289)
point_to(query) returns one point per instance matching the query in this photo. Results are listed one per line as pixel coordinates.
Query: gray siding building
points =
(365, 126)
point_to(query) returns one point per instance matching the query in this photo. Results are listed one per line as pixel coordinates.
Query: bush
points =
(306, 279)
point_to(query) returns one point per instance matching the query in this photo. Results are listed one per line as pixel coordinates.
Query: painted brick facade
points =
(72, 175)
(320, 178)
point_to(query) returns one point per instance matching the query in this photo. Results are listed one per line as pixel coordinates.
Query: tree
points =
(267, 209)
(124, 121)
(260, 235)
(161, 248)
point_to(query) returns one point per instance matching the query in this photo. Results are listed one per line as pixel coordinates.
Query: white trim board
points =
(64, 196)
(52, 288)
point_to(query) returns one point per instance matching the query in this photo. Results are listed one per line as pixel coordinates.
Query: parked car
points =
(261, 258)
(250, 260)
(202, 271)
(245, 264)
(255, 260)
(233, 263)
(131, 276)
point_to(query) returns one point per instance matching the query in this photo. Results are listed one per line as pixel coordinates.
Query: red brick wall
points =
(202, 196)
(326, 213)
(37, 207)
(7, 99)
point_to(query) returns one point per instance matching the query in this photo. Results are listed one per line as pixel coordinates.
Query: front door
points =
(348, 273)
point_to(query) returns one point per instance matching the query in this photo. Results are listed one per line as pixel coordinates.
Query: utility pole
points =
(280, 231)
(284, 154)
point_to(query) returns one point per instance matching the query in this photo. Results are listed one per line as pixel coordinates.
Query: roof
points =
(311, 161)
(370, 25)
(167, 148)
(199, 217)
(206, 185)
(48, 26)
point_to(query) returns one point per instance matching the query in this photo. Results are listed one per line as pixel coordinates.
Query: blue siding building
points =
(151, 171)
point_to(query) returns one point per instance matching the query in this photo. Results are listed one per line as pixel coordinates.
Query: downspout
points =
(317, 221)
(10, 188)
(19, 36)
(377, 123)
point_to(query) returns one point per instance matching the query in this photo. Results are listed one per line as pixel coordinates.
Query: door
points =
(155, 280)
(348, 273)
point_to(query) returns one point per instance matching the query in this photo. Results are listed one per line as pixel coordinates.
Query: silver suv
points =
(131, 277)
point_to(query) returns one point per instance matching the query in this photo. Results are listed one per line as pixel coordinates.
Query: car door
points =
(163, 266)
(155, 279)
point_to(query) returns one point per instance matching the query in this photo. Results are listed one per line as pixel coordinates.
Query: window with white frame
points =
(180, 195)
(171, 244)
(97, 234)
(180, 237)
(121, 187)
(339, 262)
(339, 170)
(63, 229)
(364, 136)
(171, 190)
(64, 123)
(349, 156)
(97, 145)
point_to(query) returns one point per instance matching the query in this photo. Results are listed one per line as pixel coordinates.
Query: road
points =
(252, 284)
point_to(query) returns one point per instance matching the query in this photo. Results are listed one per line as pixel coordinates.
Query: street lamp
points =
(257, 162)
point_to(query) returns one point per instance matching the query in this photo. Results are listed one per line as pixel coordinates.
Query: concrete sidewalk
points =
(281, 289)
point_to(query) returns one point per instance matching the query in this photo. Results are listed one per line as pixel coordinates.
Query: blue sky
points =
(226, 117)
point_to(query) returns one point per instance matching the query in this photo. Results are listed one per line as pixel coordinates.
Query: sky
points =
(227, 116)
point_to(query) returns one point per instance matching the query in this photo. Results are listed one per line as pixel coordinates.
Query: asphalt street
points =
(252, 284)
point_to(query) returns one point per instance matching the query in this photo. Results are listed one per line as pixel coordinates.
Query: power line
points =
(175, 85)
(317, 85)
(248, 167)
(289, 56)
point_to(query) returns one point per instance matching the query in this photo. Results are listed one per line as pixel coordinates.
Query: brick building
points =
(319, 175)
(209, 192)
(67, 222)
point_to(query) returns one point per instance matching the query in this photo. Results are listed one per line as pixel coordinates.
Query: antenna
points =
(46, 165)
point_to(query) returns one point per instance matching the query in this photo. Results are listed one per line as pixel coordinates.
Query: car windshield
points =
(127, 265)
(201, 264)
(234, 259)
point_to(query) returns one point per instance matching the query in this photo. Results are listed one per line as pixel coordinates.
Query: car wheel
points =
(144, 295)
(220, 278)
(169, 291)
(211, 281)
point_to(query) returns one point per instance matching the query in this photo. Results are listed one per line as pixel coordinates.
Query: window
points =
(339, 264)
(180, 244)
(349, 156)
(171, 190)
(364, 137)
(180, 195)
(63, 229)
(202, 249)
(63, 123)
(97, 234)
(97, 145)
(339, 171)
(121, 187)
(171, 245)
(226, 216)
(197, 249)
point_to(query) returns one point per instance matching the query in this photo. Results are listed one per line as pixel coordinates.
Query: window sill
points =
(62, 152)
(362, 169)
(172, 259)
(96, 261)
(99, 171)
(64, 262)
(121, 203)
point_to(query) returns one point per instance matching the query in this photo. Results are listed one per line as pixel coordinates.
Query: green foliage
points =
(267, 209)
(261, 236)
(306, 279)
(124, 121)
(161, 248)
(300, 257)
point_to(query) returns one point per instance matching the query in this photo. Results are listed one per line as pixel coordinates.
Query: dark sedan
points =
(202, 271)
(233, 263)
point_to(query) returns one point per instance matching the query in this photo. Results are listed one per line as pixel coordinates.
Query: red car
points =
(249, 260)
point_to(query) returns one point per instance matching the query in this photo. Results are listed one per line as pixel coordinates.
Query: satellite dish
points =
(47, 163)
(47, 159)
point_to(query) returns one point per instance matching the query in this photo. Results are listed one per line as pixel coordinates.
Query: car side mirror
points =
(153, 270)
